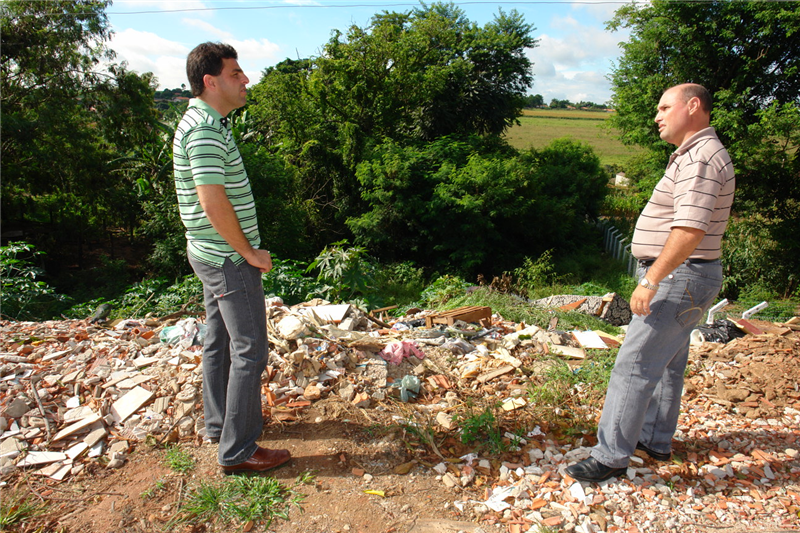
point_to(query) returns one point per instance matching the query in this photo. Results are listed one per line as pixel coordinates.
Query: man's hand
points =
(261, 259)
(640, 300)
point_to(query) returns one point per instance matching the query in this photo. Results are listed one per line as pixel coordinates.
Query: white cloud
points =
(602, 10)
(255, 49)
(207, 27)
(147, 52)
(575, 66)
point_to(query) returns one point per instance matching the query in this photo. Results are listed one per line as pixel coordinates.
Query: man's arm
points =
(681, 242)
(222, 216)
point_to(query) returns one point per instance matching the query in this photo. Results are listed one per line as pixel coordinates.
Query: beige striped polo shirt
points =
(695, 192)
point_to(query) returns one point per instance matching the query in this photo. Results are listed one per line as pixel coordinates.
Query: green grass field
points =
(538, 127)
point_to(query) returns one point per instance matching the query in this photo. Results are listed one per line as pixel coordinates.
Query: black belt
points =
(649, 262)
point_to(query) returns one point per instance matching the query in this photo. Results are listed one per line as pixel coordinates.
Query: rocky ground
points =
(87, 410)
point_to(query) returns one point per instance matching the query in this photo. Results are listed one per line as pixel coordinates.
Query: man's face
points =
(232, 85)
(673, 117)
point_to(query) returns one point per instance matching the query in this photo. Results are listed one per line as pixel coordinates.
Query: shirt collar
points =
(705, 133)
(200, 104)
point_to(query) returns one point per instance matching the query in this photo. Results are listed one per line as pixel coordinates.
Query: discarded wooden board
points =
(567, 351)
(572, 306)
(589, 339)
(470, 313)
(749, 327)
(483, 378)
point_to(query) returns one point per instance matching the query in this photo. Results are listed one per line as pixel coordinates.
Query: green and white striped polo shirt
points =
(204, 153)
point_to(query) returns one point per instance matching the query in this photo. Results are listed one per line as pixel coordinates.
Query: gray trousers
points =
(644, 394)
(234, 357)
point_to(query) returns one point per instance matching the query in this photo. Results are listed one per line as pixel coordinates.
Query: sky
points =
(572, 60)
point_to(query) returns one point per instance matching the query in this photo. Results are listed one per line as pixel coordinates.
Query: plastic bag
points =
(721, 330)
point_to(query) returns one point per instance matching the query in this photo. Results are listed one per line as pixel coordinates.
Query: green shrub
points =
(346, 273)
(442, 290)
(287, 280)
(24, 295)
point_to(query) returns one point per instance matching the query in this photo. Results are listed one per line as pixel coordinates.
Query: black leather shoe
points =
(593, 470)
(261, 461)
(658, 456)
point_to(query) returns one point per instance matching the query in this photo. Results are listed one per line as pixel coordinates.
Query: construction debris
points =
(74, 393)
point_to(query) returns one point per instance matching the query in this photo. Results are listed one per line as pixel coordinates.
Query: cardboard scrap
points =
(589, 339)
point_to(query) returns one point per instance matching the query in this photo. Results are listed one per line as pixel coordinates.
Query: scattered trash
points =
(721, 330)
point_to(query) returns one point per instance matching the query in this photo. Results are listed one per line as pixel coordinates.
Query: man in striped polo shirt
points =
(677, 241)
(217, 207)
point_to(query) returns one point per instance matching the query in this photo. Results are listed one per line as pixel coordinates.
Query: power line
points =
(386, 5)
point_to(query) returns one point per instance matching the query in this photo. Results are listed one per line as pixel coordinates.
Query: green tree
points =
(406, 77)
(534, 100)
(470, 205)
(747, 54)
(49, 55)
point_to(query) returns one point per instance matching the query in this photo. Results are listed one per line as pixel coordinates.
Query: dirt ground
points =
(334, 451)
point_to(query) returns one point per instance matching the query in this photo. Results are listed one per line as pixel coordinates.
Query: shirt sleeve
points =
(207, 152)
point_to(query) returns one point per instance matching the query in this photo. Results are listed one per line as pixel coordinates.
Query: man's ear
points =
(209, 81)
(693, 104)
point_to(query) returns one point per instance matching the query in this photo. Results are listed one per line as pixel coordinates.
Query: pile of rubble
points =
(73, 392)
(736, 456)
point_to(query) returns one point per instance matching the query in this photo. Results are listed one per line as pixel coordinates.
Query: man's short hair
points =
(692, 90)
(206, 58)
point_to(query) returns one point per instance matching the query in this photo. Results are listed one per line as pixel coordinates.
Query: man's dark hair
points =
(692, 90)
(205, 59)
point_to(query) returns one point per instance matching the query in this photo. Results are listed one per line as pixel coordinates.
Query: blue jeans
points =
(644, 394)
(234, 357)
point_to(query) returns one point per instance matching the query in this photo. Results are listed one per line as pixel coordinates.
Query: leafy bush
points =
(24, 296)
(443, 290)
(534, 274)
(346, 273)
(399, 283)
(156, 297)
(468, 205)
(483, 428)
(756, 261)
(287, 280)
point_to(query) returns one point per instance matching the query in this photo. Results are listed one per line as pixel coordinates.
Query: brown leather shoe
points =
(261, 461)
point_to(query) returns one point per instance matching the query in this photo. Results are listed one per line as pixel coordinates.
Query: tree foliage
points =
(407, 77)
(48, 55)
(747, 54)
(66, 117)
(467, 205)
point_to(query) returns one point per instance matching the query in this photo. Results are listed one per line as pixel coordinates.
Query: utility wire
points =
(382, 5)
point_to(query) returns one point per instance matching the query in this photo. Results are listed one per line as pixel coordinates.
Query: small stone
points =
(312, 392)
(116, 463)
(449, 480)
(17, 408)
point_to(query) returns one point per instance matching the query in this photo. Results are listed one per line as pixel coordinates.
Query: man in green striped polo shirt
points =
(217, 207)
